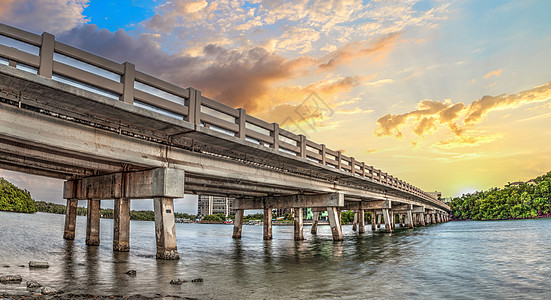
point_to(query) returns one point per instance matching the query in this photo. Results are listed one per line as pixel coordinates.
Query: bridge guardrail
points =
(45, 56)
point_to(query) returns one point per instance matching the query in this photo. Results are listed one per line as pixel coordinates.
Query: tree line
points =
(521, 200)
(15, 199)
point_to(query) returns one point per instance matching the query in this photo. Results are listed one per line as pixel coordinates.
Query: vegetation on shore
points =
(521, 200)
(15, 199)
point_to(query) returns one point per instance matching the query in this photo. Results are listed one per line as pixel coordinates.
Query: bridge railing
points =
(45, 56)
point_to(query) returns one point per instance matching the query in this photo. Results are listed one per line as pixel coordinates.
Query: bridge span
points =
(113, 132)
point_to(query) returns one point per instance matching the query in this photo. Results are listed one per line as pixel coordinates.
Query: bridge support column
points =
(355, 222)
(401, 219)
(267, 223)
(315, 220)
(392, 219)
(433, 216)
(379, 217)
(299, 224)
(388, 219)
(92, 222)
(373, 220)
(361, 217)
(70, 219)
(121, 225)
(422, 219)
(238, 223)
(165, 228)
(334, 222)
(409, 218)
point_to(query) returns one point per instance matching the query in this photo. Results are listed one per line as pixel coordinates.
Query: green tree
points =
(15, 199)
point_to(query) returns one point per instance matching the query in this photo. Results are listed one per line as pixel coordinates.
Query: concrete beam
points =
(296, 201)
(368, 205)
(159, 182)
(401, 207)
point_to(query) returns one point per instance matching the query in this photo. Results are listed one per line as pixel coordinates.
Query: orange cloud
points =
(378, 49)
(493, 73)
(429, 114)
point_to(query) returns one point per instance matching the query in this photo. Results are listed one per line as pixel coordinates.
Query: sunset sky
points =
(453, 96)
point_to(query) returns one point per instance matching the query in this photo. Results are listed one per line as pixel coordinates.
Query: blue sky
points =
(449, 95)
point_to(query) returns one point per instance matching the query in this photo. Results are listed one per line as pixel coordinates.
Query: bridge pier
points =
(355, 222)
(165, 228)
(422, 219)
(238, 223)
(315, 220)
(70, 219)
(121, 225)
(334, 222)
(379, 217)
(410, 219)
(433, 216)
(361, 217)
(92, 222)
(373, 220)
(388, 219)
(267, 223)
(299, 224)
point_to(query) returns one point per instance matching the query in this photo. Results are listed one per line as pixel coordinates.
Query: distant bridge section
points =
(114, 132)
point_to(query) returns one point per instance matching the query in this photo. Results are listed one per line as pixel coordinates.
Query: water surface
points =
(455, 260)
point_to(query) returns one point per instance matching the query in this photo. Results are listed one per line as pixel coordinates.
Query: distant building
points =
(210, 205)
(435, 194)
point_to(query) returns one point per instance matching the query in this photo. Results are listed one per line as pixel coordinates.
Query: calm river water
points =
(455, 260)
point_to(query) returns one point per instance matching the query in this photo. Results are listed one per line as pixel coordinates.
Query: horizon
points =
(451, 97)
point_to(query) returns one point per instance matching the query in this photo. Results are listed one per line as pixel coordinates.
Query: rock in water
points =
(197, 280)
(177, 281)
(131, 272)
(33, 284)
(38, 264)
(49, 291)
(11, 279)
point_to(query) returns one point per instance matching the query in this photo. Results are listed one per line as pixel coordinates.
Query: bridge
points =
(113, 132)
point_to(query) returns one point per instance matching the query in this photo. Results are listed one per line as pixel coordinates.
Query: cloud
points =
(466, 141)
(378, 49)
(495, 73)
(53, 16)
(429, 114)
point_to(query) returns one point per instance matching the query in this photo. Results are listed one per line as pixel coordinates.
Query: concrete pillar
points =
(238, 223)
(315, 220)
(422, 219)
(165, 228)
(361, 219)
(121, 225)
(70, 219)
(379, 219)
(401, 220)
(92, 222)
(388, 220)
(299, 224)
(433, 218)
(355, 222)
(410, 219)
(267, 223)
(392, 219)
(334, 222)
(373, 220)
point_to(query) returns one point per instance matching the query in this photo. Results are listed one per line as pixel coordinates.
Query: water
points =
(455, 260)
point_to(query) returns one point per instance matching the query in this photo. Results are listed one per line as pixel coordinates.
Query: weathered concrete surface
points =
(299, 201)
(368, 205)
(299, 224)
(238, 223)
(388, 220)
(92, 222)
(315, 221)
(121, 225)
(335, 223)
(70, 219)
(355, 222)
(165, 228)
(410, 219)
(373, 220)
(361, 219)
(267, 224)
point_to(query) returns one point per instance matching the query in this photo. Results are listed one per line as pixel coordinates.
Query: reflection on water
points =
(463, 260)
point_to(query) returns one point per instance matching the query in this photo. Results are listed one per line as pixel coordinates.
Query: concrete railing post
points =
(242, 121)
(165, 228)
(92, 222)
(70, 219)
(275, 136)
(238, 223)
(267, 223)
(194, 107)
(302, 146)
(121, 225)
(323, 154)
(47, 55)
(127, 80)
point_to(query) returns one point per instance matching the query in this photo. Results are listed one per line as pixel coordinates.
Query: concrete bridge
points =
(113, 132)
